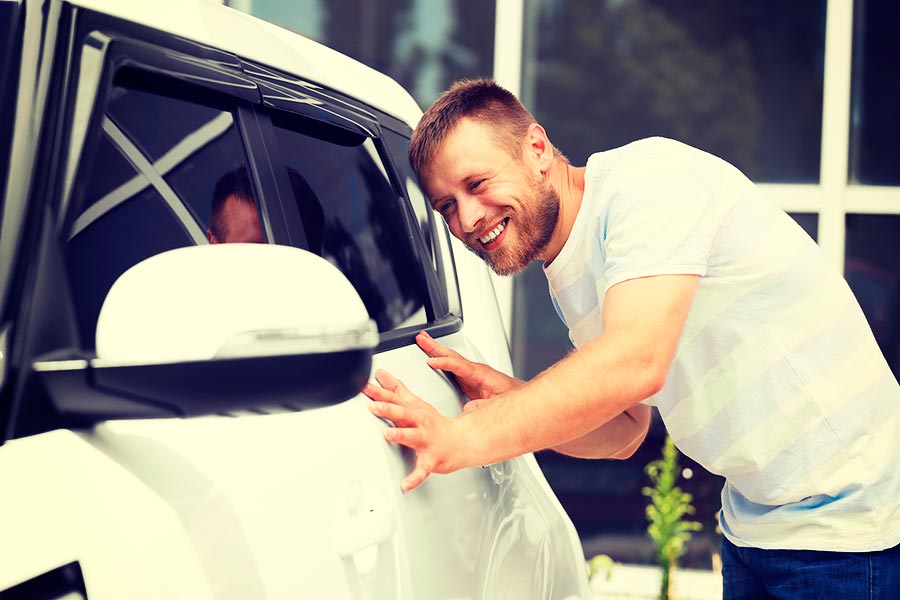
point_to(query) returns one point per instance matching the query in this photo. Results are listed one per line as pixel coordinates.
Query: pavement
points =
(641, 582)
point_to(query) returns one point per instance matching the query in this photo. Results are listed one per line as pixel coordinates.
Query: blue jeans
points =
(755, 574)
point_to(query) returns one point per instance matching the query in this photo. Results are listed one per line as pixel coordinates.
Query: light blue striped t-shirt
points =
(777, 383)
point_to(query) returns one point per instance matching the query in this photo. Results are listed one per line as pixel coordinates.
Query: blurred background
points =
(803, 96)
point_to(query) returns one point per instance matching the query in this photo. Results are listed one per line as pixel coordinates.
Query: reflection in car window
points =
(399, 148)
(434, 232)
(354, 218)
(165, 173)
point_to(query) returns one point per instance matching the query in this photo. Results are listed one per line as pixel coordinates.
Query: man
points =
(684, 289)
(233, 216)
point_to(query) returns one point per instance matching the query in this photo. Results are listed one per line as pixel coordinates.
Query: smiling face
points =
(502, 209)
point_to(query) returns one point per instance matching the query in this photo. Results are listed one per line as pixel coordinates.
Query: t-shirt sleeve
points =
(659, 220)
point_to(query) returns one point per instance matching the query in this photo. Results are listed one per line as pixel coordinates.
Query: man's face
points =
(241, 223)
(498, 205)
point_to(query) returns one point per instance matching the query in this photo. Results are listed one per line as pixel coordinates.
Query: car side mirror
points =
(219, 329)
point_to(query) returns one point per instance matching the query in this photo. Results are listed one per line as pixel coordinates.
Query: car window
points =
(399, 148)
(434, 231)
(354, 218)
(164, 172)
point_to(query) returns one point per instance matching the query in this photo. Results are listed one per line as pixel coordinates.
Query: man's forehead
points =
(470, 130)
(468, 147)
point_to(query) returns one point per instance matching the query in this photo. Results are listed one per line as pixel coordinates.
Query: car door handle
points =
(365, 529)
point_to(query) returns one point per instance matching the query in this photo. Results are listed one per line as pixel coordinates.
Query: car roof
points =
(211, 23)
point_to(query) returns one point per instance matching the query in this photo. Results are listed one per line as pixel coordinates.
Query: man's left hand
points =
(417, 425)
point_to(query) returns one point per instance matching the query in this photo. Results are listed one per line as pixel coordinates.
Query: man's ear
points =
(539, 147)
(211, 237)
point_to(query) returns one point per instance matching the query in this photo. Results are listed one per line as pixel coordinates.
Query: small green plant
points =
(669, 505)
(600, 564)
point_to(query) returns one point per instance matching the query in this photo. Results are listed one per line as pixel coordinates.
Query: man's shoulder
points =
(643, 154)
(655, 148)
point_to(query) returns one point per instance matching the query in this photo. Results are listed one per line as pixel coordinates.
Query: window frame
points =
(256, 92)
(86, 54)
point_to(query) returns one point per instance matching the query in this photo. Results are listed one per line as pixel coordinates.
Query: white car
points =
(181, 418)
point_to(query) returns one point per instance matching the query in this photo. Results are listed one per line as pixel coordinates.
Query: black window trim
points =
(274, 194)
(257, 90)
(251, 87)
(292, 96)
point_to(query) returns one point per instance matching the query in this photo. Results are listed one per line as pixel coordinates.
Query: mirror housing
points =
(218, 329)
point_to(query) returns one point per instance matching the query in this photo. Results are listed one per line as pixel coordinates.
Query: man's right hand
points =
(477, 381)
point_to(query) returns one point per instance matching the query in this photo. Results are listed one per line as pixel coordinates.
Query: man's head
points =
(233, 216)
(483, 162)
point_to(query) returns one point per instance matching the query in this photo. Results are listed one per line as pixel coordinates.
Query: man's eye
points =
(475, 184)
(445, 206)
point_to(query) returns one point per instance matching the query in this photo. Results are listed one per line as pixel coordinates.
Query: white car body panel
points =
(209, 22)
(65, 501)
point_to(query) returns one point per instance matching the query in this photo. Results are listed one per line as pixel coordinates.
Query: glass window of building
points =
(742, 80)
(872, 268)
(424, 44)
(875, 133)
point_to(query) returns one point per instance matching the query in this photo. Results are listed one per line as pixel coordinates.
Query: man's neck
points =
(569, 184)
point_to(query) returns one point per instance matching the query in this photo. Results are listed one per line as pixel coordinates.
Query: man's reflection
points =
(233, 216)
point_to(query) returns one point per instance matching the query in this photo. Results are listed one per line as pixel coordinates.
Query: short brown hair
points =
(479, 99)
(235, 184)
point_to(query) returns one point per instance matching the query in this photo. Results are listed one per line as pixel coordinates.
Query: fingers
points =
(394, 413)
(433, 348)
(394, 402)
(405, 436)
(391, 390)
(378, 393)
(458, 366)
(415, 479)
(470, 406)
(413, 439)
(387, 381)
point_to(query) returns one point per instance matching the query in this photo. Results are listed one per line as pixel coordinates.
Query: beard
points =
(533, 224)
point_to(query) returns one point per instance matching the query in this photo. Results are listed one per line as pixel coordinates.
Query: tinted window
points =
(434, 231)
(161, 173)
(399, 148)
(10, 53)
(354, 218)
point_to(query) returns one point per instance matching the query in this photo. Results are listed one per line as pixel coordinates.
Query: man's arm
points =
(618, 438)
(642, 320)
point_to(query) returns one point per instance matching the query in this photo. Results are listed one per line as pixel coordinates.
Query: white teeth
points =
(493, 234)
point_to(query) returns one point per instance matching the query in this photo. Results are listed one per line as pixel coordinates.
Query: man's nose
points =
(471, 213)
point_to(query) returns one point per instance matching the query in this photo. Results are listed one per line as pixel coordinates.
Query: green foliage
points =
(666, 513)
(601, 563)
